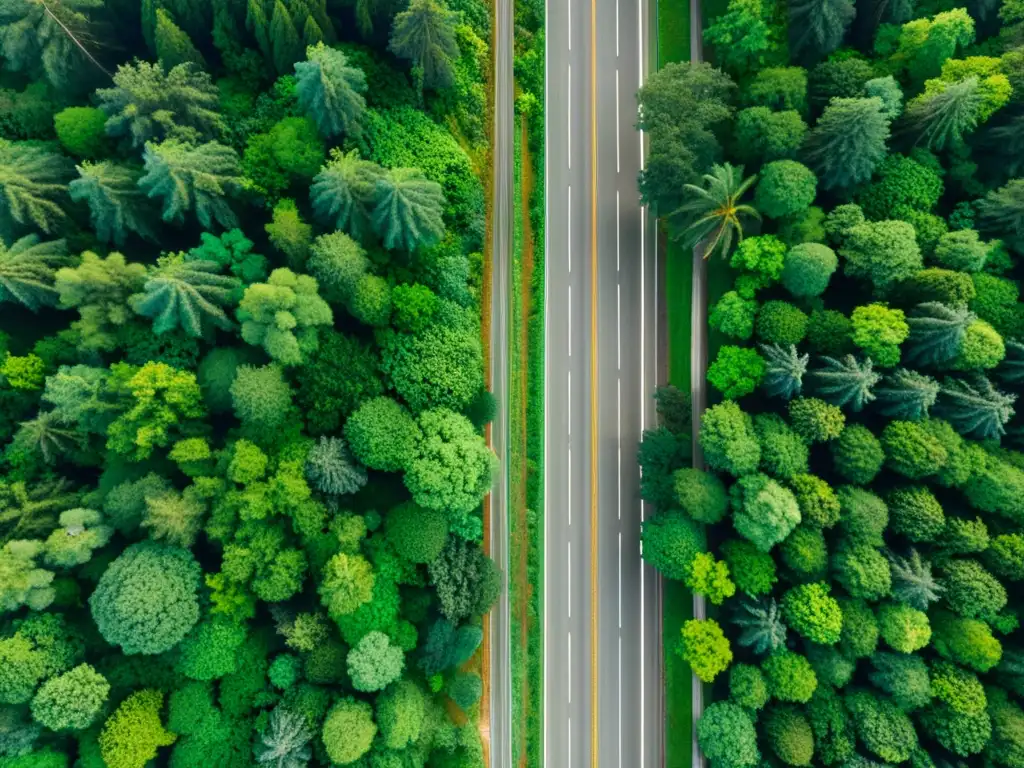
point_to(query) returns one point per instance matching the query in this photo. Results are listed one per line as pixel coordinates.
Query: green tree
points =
(282, 314)
(345, 191)
(764, 135)
(747, 686)
(440, 367)
(146, 600)
(288, 233)
(712, 215)
(745, 36)
(904, 629)
(1005, 556)
(374, 663)
(911, 450)
(671, 541)
(418, 534)
(808, 268)
(187, 178)
(879, 331)
(727, 737)
(173, 45)
(901, 183)
(733, 315)
(916, 513)
(964, 641)
(285, 742)
(132, 735)
(467, 580)
(347, 583)
(815, 420)
(261, 399)
(812, 613)
(786, 188)
(764, 511)
(424, 34)
(902, 676)
(937, 332)
(187, 294)
(149, 104)
(1002, 212)
(789, 735)
(348, 731)
(846, 382)
(710, 577)
(971, 591)
(779, 88)
(752, 570)
(881, 726)
(210, 651)
(33, 37)
(81, 532)
(728, 440)
(975, 408)
(925, 44)
(33, 182)
(408, 209)
(784, 370)
(819, 504)
(337, 262)
(705, 648)
(28, 270)
(861, 570)
(330, 91)
(790, 676)
(116, 204)
(382, 434)
(71, 701)
(331, 469)
(779, 322)
(761, 625)
(401, 711)
(889, 91)
(817, 27)
(736, 371)
(848, 142)
(81, 131)
(883, 252)
(783, 452)
(451, 467)
(907, 395)
(701, 495)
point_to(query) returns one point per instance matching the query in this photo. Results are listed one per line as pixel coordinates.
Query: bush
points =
(704, 647)
(808, 268)
(736, 371)
(779, 322)
(82, 131)
(701, 495)
(727, 737)
(786, 187)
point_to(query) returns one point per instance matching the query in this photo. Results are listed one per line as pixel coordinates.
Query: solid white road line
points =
(643, 393)
(618, 326)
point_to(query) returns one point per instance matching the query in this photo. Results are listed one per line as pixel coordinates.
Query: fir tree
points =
(817, 27)
(761, 625)
(846, 382)
(173, 45)
(912, 580)
(285, 28)
(329, 91)
(27, 271)
(148, 104)
(907, 395)
(784, 370)
(54, 37)
(344, 191)
(190, 178)
(936, 333)
(32, 185)
(1002, 212)
(1011, 370)
(975, 408)
(285, 38)
(408, 210)
(285, 742)
(848, 142)
(48, 435)
(943, 115)
(191, 295)
(331, 469)
(116, 204)
(424, 34)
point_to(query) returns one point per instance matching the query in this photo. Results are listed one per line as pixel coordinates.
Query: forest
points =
(242, 397)
(857, 169)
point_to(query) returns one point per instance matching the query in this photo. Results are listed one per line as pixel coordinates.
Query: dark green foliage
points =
(32, 188)
(762, 629)
(1002, 212)
(975, 408)
(752, 570)
(904, 677)
(857, 454)
(916, 513)
(971, 591)
(785, 188)
(863, 515)
(831, 725)
(830, 332)
(467, 580)
(817, 27)
(848, 142)
(883, 252)
(901, 182)
(425, 35)
(789, 735)
(939, 285)
(846, 382)
(329, 91)
(805, 554)
(187, 178)
(862, 570)
(712, 215)
(116, 204)
(763, 134)
(779, 322)
(728, 439)
(727, 737)
(907, 394)
(784, 370)
(783, 452)
(808, 268)
(27, 271)
(881, 727)
(671, 540)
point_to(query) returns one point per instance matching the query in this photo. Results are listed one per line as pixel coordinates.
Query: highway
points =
(602, 669)
(500, 704)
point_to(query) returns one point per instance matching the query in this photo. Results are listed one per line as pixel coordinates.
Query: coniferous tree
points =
(761, 625)
(285, 743)
(1011, 370)
(48, 435)
(188, 178)
(32, 185)
(784, 370)
(936, 332)
(817, 27)
(912, 580)
(907, 395)
(975, 408)
(173, 45)
(408, 211)
(344, 191)
(53, 37)
(191, 295)
(1002, 212)
(330, 91)
(424, 34)
(27, 270)
(116, 204)
(848, 142)
(149, 104)
(943, 115)
(285, 28)
(846, 382)
(285, 38)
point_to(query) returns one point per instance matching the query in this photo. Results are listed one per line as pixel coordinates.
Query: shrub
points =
(779, 322)
(705, 648)
(808, 268)
(786, 187)
(82, 131)
(736, 371)
(811, 612)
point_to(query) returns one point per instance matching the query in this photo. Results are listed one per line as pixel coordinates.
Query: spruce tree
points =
(936, 333)
(912, 580)
(173, 45)
(945, 113)
(329, 91)
(845, 382)
(344, 191)
(1011, 370)
(32, 187)
(31, 37)
(190, 295)
(848, 142)
(409, 208)
(148, 104)
(817, 27)
(784, 370)
(1002, 212)
(27, 270)
(285, 38)
(424, 34)
(975, 408)
(285, 28)
(907, 395)
(188, 178)
(116, 204)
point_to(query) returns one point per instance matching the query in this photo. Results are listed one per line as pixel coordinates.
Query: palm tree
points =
(713, 214)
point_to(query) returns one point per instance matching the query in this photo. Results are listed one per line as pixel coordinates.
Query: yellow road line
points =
(593, 385)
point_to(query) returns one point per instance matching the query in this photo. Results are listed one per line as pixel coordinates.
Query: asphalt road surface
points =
(500, 704)
(602, 664)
